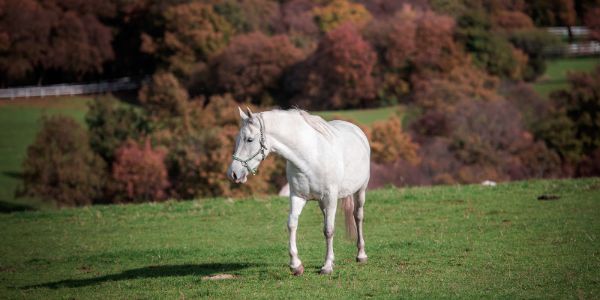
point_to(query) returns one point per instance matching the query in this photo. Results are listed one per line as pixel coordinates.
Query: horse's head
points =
(250, 148)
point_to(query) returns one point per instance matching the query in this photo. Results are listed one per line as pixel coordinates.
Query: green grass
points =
(555, 77)
(434, 242)
(363, 116)
(19, 123)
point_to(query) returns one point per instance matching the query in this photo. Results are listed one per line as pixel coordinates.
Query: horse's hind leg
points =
(328, 206)
(296, 206)
(359, 203)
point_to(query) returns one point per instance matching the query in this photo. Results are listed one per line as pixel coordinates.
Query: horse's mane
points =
(317, 123)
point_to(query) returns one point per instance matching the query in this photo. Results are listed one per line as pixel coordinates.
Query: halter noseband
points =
(260, 151)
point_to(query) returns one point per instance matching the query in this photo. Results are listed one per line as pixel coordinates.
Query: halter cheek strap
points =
(260, 151)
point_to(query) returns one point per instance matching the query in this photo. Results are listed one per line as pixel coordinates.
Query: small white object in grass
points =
(285, 191)
(488, 183)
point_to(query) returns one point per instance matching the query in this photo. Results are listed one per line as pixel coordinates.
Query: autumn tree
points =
(251, 15)
(389, 143)
(60, 166)
(490, 51)
(192, 33)
(163, 97)
(581, 103)
(139, 173)
(534, 43)
(337, 75)
(252, 65)
(592, 21)
(338, 12)
(39, 37)
(111, 123)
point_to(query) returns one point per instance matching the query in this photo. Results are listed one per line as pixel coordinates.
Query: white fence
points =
(579, 31)
(575, 49)
(121, 84)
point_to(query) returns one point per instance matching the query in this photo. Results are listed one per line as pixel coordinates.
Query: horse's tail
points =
(348, 206)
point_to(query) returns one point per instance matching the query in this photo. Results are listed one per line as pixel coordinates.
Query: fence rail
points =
(580, 31)
(122, 84)
(575, 49)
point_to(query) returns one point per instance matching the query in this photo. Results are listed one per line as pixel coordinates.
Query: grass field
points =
(439, 242)
(363, 116)
(19, 123)
(555, 77)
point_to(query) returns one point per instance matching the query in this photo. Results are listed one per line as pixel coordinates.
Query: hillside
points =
(430, 242)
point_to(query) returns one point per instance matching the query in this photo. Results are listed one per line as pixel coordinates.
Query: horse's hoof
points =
(325, 271)
(298, 271)
(361, 260)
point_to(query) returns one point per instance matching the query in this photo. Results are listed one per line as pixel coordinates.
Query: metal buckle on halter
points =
(260, 151)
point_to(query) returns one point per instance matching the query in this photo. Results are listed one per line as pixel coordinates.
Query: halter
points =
(260, 151)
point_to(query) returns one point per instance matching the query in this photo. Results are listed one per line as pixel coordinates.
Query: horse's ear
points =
(243, 114)
(249, 112)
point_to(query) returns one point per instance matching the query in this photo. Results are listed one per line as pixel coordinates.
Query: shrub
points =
(582, 105)
(110, 123)
(489, 50)
(389, 143)
(139, 172)
(60, 166)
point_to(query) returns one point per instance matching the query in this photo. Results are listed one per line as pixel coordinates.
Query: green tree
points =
(60, 166)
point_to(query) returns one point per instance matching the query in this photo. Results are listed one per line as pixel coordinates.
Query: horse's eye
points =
(249, 140)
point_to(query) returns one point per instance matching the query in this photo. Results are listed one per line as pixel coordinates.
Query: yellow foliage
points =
(338, 12)
(389, 143)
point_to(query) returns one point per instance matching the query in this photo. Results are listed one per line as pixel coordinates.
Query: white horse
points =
(326, 161)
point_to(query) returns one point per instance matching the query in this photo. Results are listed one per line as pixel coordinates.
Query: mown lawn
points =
(555, 77)
(19, 123)
(433, 242)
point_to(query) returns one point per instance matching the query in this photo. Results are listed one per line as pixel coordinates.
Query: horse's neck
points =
(291, 137)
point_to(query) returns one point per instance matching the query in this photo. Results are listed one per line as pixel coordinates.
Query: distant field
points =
(19, 123)
(433, 242)
(363, 116)
(555, 77)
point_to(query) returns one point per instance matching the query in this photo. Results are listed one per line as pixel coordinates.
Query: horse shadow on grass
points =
(198, 270)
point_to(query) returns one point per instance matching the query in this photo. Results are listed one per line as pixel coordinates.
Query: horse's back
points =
(356, 153)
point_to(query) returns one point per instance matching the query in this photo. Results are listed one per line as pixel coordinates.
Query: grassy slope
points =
(440, 242)
(363, 116)
(19, 122)
(555, 77)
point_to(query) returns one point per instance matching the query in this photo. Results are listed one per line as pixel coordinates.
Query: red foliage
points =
(338, 74)
(43, 35)
(592, 21)
(139, 172)
(253, 63)
(420, 40)
(298, 17)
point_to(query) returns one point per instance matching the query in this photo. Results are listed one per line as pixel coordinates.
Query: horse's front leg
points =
(328, 206)
(296, 206)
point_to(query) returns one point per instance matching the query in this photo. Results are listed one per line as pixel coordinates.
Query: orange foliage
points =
(389, 143)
